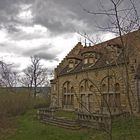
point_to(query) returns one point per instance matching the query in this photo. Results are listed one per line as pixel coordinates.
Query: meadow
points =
(18, 122)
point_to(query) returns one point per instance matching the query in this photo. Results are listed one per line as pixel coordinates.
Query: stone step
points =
(61, 124)
(64, 120)
(58, 119)
(58, 122)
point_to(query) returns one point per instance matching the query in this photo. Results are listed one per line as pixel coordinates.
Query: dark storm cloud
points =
(45, 52)
(56, 17)
(62, 16)
(59, 16)
(48, 56)
(8, 11)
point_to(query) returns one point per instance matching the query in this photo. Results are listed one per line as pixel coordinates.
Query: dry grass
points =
(14, 104)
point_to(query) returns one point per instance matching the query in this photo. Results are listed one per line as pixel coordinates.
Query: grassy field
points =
(18, 122)
(14, 104)
(28, 128)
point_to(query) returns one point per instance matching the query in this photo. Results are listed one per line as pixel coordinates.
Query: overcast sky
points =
(47, 28)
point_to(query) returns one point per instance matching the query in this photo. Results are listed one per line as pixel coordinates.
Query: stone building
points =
(96, 78)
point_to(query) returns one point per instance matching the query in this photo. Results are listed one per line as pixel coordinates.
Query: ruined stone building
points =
(93, 78)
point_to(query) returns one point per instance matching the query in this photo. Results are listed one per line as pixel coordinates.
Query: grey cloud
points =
(48, 56)
(65, 16)
(8, 12)
(59, 16)
(44, 52)
(21, 35)
(8, 47)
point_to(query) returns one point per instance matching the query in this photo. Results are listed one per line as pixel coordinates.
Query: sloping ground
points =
(29, 128)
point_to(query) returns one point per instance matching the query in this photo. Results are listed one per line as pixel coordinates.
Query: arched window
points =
(104, 88)
(81, 89)
(86, 85)
(65, 90)
(72, 90)
(117, 87)
(91, 88)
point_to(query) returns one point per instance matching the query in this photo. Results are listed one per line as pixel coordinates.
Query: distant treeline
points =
(40, 90)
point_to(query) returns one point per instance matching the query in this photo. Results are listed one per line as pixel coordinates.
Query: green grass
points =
(127, 129)
(31, 129)
(28, 128)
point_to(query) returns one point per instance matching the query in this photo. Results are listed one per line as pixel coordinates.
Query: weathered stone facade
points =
(94, 78)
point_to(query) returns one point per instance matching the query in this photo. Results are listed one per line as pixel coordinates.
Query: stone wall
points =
(110, 76)
(96, 78)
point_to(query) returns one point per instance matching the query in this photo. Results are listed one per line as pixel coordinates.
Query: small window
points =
(85, 60)
(71, 64)
(65, 90)
(104, 88)
(65, 100)
(81, 88)
(91, 88)
(72, 90)
(91, 60)
(117, 87)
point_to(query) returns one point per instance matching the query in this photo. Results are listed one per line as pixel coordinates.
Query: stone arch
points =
(72, 89)
(82, 85)
(66, 86)
(81, 88)
(86, 85)
(88, 95)
(104, 88)
(117, 87)
(68, 95)
(108, 83)
(91, 88)
(110, 90)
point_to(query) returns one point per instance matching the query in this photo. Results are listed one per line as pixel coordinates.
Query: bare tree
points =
(121, 21)
(8, 77)
(35, 75)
